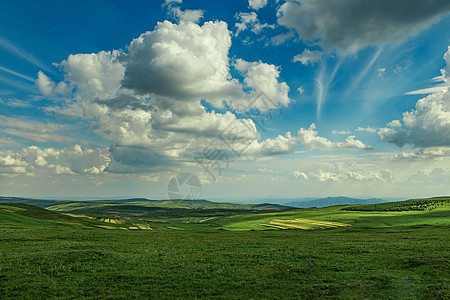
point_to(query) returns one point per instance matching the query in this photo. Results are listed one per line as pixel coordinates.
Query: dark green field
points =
(216, 252)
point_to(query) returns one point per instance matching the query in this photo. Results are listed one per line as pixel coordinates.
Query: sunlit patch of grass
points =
(11, 208)
(106, 227)
(301, 223)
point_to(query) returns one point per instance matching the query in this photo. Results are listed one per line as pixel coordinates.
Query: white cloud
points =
(308, 57)
(187, 15)
(147, 101)
(344, 172)
(282, 38)
(269, 147)
(430, 90)
(251, 22)
(16, 74)
(257, 4)
(367, 129)
(13, 102)
(33, 130)
(381, 72)
(184, 61)
(6, 142)
(300, 175)
(60, 170)
(48, 88)
(96, 75)
(430, 176)
(310, 140)
(168, 2)
(346, 175)
(431, 153)
(47, 161)
(16, 50)
(352, 25)
(263, 78)
(441, 87)
(11, 163)
(341, 132)
(394, 123)
(428, 125)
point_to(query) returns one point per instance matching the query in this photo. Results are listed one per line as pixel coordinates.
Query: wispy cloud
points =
(355, 84)
(14, 49)
(18, 84)
(442, 86)
(33, 130)
(17, 74)
(323, 83)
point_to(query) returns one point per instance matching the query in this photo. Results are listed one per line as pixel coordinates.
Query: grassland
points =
(409, 205)
(209, 253)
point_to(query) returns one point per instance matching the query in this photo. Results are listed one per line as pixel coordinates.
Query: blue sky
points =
(114, 98)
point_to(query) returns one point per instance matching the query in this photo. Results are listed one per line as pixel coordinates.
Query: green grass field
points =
(238, 253)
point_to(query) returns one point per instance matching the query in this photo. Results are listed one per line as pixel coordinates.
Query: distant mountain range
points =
(331, 201)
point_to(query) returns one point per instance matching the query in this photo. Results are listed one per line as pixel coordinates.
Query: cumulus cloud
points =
(257, 4)
(394, 123)
(280, 145)
(46, 161)
(187, 15)
(309, 139)
(147, 101)
(183, 61)
(11, 164)
(340, 172)
(428, 125)
(48, 88)
(431, 153)
(352, 25)
(96, 75)
(263, 78)
(300, 175)
(251, 22)
(308, 57)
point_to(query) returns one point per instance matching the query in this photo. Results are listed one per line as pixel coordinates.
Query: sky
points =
(258, 99)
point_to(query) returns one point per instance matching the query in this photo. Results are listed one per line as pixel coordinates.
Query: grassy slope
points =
(26, 216)
(245, 219)
(361, 219)
(397, 255)
(178, 204)
(409, 205)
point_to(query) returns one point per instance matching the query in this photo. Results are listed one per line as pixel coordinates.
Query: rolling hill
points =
(20, 215)
(187, 215)
(69, 205)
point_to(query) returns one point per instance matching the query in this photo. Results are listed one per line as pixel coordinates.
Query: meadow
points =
(312, 253)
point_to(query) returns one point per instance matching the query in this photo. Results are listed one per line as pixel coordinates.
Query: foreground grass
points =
(357, 263)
